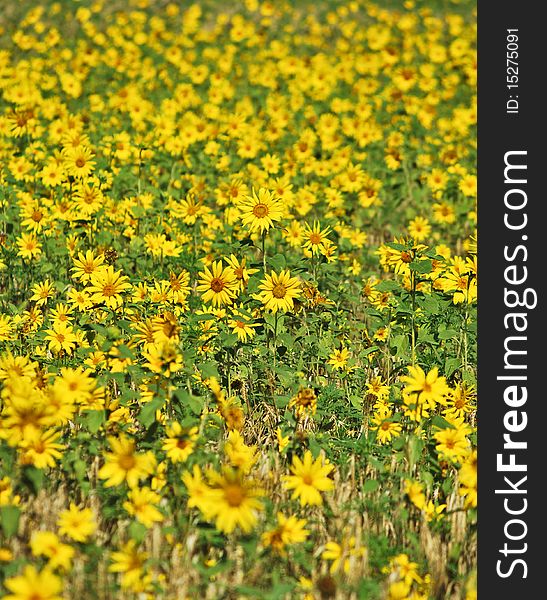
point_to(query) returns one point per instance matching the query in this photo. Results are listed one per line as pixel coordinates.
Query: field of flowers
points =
(238, 300)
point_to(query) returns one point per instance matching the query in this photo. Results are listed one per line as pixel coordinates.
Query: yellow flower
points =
(124, 464)
(452, 444)
(219, 285)
(309, 478)
(29, 246)
(339, 358)
(6, 555)
(315, 238)
(415, 492)
(78, 161)
(343, 555)
(87, 265)
(429, 387)
(289, 530)
(231, 501)
(140, 502)
(386, 427)
(180, 442)
(163, 358)
(41, 449)
(34, 585)
(259, 211)
(304, 403)
(282, 441)
(241, 271)
(279, 291)
(42, 292)
(419, 229)
(46, 543)
(78, 524)
(198, 491)
(241, 325)
(239, 454)
(106, 286)
(61, 338)
(130, 562)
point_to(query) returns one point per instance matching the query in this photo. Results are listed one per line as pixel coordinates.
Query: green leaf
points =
(441, 422)
(447, 334)
(278, 262)
(371, 485)
(427, 478)
(414, 449)
(186, 399)
(388, 286)
(208, 369)
(421, 266)
(125, 352)
(147, 414)
(451, 364)
(9, 519)
(94, 419)
(356, 401)
(34, 476)
(431, 305)
(196, 404)
(137, 531)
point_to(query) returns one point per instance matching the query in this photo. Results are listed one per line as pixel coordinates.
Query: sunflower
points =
(106, 286)
(219, 285)
(289, 530)
(259, 211)
(233, 500)
(29, 246)
(241, 324)
(279, 291)
(141, 502)
(61, 337)
(77, 523)
(124, 464)
(304, 403)
(34, 585)
(78, 161)
(41, 449)
(180, 442)
(315, 238)
(309, 478)
(429, 386)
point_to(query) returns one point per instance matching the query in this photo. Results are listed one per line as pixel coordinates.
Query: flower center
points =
(307, 479)
(109, 290)
(315, 238)
(260, 211)
(234, 495)
(127, 462)
(279, 291)
(80, 162)
(217, 285)
(39, 447)
(406, 257)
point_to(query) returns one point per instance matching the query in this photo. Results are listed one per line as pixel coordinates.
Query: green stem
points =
(264, 250)
(413, 294)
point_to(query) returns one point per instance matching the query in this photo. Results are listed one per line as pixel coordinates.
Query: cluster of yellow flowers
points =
(238, 282)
